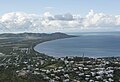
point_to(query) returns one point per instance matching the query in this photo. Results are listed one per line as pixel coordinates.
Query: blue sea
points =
(92, 45)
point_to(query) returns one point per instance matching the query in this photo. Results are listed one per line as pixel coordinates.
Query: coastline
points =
(59, 56)
(24, 59)
(33, 47)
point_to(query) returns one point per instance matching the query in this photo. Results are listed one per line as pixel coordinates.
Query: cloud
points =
(67, 17)
(47, 22)
(100, 20)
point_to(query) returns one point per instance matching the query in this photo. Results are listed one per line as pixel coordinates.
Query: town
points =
(33, 68)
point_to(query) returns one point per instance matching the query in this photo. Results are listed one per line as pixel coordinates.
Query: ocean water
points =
(90, 45)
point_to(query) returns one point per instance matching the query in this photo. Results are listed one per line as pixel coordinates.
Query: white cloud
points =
(21, 22)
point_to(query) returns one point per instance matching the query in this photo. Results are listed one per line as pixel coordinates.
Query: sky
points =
(59, 15)
(60, 6)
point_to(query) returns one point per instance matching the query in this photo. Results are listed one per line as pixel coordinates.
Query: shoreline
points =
(68, 55)
(33, 47)
(24, 61)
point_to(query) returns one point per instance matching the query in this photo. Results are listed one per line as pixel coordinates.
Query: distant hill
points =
(28, 35)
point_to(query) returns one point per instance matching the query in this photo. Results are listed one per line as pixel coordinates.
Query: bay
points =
(90, 45)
